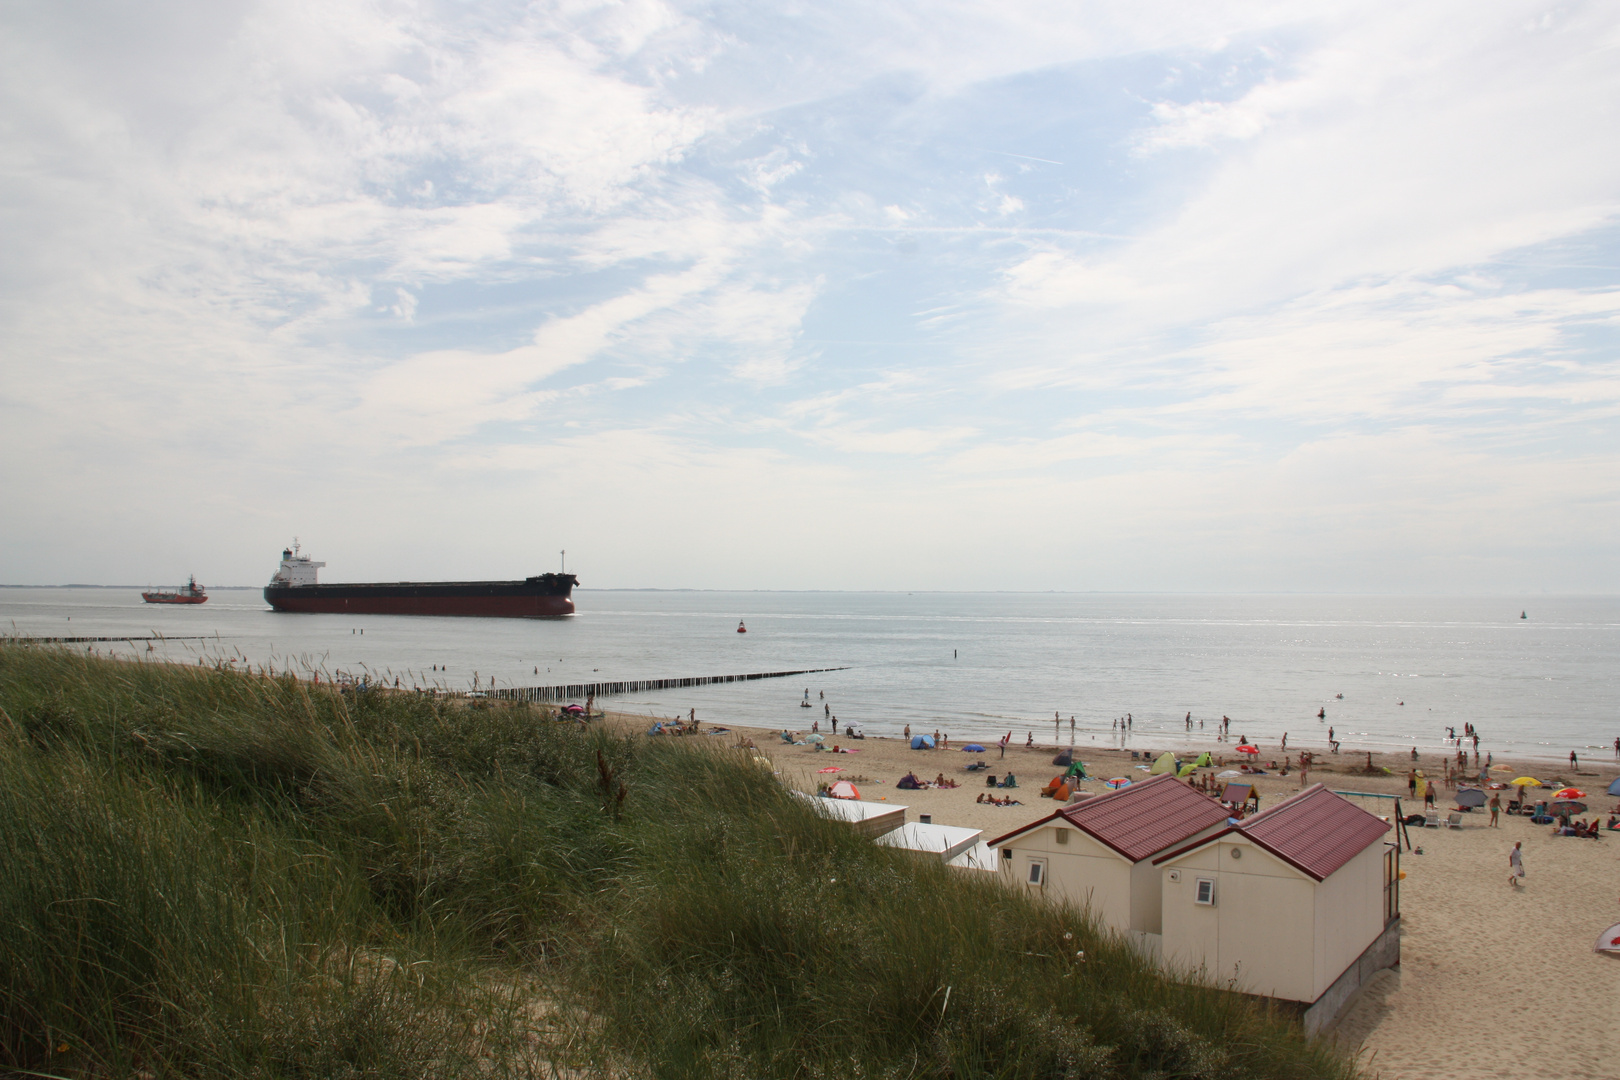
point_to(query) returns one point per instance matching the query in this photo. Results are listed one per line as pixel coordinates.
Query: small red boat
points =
(190, 593)
(741, 629)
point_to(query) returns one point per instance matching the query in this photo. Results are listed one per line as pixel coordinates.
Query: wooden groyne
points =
(82, 640)
(634, 686)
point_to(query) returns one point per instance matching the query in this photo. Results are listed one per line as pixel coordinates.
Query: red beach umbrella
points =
(1569, 793)
(1248, 749)
(830, 768)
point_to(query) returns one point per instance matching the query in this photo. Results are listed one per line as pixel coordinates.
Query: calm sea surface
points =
(973, 665)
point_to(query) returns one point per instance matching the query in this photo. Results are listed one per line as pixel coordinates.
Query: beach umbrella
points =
(1566, 806)
(830, 768)
(1614, 788)
(1609, 941)
(972, 748)
(1187, 770)
(1569, 793)
(844, 790)
(815, 738)
(1118, 782)
(1248, 749)
(1228, 774)
(1525, 781)
(1470, 797)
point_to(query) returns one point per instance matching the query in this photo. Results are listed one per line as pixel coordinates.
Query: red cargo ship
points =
(294, 588)
(190, 593)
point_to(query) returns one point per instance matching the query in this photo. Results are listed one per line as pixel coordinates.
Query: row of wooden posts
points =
(634, 686)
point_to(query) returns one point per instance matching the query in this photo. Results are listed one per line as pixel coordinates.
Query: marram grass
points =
(205, 873)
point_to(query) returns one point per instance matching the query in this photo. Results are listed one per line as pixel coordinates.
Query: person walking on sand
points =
(1515, 865)
(1574, 763)
(1004, 740)
(1029, 743)
(1496, 809)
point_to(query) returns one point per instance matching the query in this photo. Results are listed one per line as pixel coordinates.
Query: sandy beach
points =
(1494, 981)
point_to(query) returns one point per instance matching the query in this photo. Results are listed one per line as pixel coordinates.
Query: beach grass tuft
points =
(207, 873)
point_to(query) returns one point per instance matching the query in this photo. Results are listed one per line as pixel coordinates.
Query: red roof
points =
(1141, 820)
(1316, 830)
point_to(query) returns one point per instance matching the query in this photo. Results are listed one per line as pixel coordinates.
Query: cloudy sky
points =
(896, 295)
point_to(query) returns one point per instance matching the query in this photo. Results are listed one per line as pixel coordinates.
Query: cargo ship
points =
(189, 593)
(294, 588)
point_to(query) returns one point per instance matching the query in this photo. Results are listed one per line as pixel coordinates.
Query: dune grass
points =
(205, 873)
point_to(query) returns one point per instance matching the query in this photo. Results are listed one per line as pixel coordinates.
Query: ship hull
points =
(160, 598)
(489, 599)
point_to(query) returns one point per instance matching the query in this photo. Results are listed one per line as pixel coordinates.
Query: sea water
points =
(971, 665)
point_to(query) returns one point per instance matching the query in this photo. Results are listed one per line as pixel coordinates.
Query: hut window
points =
(1205, 893)
(1063, 836)
(1037, 871)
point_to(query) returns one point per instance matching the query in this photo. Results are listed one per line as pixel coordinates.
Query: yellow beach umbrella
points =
(1526, 781)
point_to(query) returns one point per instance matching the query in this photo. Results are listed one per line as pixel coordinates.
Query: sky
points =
(1229, 296)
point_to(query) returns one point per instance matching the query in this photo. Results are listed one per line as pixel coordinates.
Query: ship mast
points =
(564, 554)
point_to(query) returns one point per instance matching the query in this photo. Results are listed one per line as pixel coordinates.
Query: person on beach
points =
(1496, 810)
(936, 738)
(1004, 740)
(834, 721)
(907, 735)
(1573, 763)
(1285, 742)
(1515, 865)
(1029, 743)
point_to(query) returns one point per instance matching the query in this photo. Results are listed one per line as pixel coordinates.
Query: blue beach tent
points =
(1614, 788)
(922, 742)
(972, 748)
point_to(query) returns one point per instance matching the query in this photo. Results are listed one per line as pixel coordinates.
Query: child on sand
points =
(1515, 865)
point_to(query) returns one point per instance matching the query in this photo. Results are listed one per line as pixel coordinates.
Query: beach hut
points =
(1298, 903)
(1099, 852)
(869, 819)
(944, 843)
